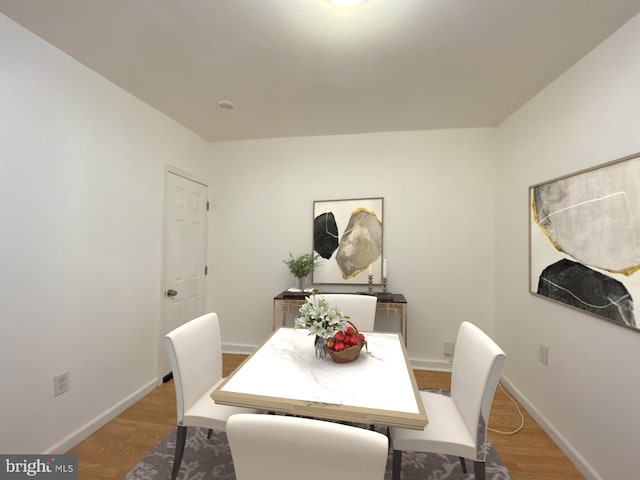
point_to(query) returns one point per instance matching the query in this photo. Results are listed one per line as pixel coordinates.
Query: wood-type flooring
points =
(117, 447)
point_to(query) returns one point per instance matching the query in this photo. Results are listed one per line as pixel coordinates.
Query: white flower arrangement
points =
(320, 318)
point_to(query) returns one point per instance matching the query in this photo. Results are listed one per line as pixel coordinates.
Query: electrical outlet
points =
(543, 354)
(60, 384)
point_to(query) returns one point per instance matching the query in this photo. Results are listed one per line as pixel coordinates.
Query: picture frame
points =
(348, 240)
(584, 240)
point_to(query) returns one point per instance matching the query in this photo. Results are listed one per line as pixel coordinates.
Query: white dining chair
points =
(195, 352)
(458, 423)
(360, 308)
(278, 447)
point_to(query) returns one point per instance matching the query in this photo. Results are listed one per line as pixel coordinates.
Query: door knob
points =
(171, 293)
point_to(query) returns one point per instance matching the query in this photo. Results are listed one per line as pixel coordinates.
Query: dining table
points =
(284, 375)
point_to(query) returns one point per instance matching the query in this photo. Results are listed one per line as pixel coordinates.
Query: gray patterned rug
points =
(211, 458)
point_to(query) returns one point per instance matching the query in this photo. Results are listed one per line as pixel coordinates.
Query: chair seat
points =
(446, 432)
(206, 413)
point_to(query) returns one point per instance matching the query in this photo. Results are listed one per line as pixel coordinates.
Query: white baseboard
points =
(90, 427)
(238, 348)
(569, 450)
(433, 365)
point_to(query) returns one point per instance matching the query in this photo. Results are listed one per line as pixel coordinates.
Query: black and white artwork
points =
(585, 240)
(347, 238)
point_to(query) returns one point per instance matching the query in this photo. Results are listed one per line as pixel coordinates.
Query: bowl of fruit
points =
(345, 346)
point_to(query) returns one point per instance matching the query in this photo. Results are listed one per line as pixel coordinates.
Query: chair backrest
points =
(277, 447)
(477, 367)
(195, 352)
(361, 308)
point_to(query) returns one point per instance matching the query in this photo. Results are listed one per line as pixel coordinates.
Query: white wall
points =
(438, 224)
(589, 393)
(81, 178)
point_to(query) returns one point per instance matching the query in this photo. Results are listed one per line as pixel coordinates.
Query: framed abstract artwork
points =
(584, 238)
(347, 238)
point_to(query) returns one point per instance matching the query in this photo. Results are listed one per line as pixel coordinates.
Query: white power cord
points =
(512, 432)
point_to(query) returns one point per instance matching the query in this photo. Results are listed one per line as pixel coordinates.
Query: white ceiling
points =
(307, 67)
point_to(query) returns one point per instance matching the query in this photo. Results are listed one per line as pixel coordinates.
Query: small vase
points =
(302, 283)
(319, 344)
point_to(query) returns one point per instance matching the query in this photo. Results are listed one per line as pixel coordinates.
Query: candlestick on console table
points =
(384, 284)
(370, 283)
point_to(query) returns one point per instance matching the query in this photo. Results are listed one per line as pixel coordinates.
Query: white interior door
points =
(185, 237)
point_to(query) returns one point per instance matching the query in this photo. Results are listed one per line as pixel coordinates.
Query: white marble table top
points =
(285, 376)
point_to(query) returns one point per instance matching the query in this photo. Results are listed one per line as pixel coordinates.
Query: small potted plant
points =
(301, 267)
